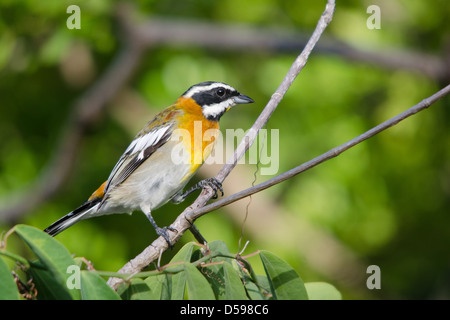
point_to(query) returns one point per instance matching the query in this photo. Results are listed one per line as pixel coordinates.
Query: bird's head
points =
(215, 98)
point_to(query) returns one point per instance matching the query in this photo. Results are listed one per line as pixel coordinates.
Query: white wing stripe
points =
(147, 140)
(131, 146)
(134, 155)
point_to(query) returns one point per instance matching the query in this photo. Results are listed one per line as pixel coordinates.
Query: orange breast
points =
(202, 133)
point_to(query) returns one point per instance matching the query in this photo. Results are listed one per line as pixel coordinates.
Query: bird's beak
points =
(241, 99)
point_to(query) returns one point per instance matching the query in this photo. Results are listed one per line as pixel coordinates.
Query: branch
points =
(186, 218)
(424, 104)
(276, 98)
(188, 33)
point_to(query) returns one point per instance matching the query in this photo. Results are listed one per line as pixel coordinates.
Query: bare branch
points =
(424, 104)
(185, 219)
(188, 33)
(276, 98)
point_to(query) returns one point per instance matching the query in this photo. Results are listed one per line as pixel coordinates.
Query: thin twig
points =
(185, 219)
(424, 104)
(276, 98)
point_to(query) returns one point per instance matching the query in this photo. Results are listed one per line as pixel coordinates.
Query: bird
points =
(156, 166)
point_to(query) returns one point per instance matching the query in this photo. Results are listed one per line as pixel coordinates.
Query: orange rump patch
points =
(99, 193)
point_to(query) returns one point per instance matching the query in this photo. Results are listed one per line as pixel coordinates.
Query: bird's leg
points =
(212, 182)
(161, 231)
(180, 197)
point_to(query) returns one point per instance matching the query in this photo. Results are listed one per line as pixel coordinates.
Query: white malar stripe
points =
(214, 85)
(216, 109)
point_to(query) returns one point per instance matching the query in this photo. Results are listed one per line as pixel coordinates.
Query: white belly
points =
(151, 185)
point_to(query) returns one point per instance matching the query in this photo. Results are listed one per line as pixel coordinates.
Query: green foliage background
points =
(386, 201)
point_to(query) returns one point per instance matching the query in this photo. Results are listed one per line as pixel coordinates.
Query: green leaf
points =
(52, 254)
(214, 274)
(257, 289)
(136, 290)
(198, 287)
(8, 288)
(256, 286)
(322, 291)
(284, 282)
(184, 254)
(264, 285)
(48, 288)
(93, 287)
(219, 246)
(159, 287)
(179, 279)
(234, 289)
(252, 290)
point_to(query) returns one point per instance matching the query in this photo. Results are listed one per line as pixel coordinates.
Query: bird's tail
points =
(86, 210)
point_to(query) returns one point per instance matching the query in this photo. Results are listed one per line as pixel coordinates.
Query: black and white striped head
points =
(215, 98)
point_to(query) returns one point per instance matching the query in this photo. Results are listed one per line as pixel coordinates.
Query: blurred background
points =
(71, 100)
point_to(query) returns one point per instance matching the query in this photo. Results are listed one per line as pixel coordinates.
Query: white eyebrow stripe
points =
(195, 90)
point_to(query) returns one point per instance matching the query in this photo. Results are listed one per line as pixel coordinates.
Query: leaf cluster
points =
(196, 273)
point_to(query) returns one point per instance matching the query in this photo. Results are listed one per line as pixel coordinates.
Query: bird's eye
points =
(220, 92)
